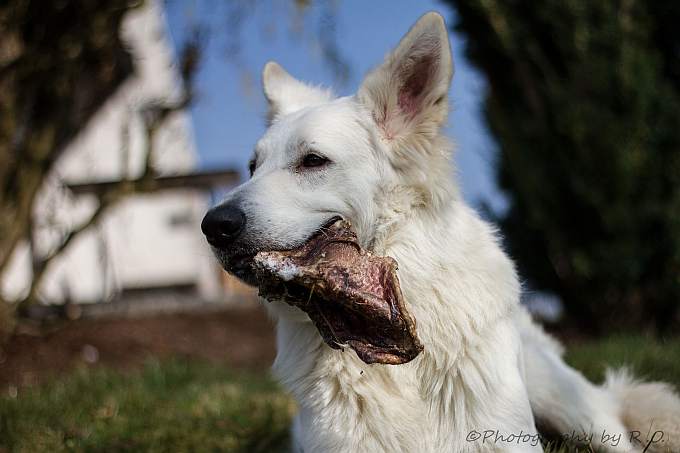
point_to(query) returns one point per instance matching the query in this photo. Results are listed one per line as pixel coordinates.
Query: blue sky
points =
(228, 116)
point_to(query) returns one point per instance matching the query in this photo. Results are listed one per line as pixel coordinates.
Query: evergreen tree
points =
(584, 102)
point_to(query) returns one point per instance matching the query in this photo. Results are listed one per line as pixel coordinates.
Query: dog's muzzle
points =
(223, 227)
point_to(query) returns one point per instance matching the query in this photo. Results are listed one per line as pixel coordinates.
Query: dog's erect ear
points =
(286, 94)
(408, 93)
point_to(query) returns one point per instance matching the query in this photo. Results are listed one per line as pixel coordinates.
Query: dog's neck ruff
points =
(455, 307)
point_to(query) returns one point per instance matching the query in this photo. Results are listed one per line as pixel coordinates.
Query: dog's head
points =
(325, 157)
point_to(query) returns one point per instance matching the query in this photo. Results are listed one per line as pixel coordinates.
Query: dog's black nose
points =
(222, 224)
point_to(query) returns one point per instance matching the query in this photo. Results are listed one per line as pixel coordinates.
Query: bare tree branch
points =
(155, 115)
(106, 200)
(51, 84)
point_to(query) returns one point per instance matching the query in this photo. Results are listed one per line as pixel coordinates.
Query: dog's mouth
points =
(241, 263)
(241, 266)
(353, 297)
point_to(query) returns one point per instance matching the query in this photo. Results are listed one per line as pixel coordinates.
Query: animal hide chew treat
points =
(353, 297)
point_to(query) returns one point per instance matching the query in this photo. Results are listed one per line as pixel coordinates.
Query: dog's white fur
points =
(485, 366)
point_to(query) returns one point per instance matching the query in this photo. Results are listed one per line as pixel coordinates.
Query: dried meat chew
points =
(353, 297)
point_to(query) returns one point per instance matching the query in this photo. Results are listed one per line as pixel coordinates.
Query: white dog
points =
(487, 374)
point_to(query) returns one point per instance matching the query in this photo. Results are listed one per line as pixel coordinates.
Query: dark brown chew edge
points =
(353, 297)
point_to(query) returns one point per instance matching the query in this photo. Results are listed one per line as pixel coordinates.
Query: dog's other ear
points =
(408, 94)
(286, 94)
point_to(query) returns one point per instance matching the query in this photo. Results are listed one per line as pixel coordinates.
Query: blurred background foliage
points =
(584, 101)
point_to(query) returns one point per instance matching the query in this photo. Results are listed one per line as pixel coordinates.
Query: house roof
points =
(202, 180)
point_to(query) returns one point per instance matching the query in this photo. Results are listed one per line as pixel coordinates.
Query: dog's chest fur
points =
(462, 291)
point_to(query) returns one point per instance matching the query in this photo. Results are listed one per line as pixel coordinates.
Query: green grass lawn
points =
(166, 407)
(196, 407)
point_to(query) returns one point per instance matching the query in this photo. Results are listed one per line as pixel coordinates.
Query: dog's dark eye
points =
(312, 160)
(252, 165)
